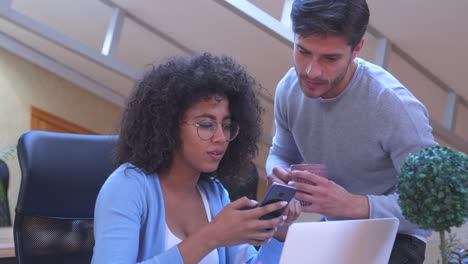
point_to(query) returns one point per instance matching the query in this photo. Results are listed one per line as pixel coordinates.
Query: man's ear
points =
(358, 48)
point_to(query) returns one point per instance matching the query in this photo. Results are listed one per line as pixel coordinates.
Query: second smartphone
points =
(276, 193)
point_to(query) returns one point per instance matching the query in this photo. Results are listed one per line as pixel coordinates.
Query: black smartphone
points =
(277, 192)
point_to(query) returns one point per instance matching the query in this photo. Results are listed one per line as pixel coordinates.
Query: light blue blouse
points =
(129, 225)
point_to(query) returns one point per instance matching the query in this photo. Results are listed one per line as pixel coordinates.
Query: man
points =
(356, 118)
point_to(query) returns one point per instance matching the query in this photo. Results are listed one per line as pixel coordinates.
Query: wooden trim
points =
(42, 120)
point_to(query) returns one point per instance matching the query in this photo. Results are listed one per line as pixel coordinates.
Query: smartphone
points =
(276, 193)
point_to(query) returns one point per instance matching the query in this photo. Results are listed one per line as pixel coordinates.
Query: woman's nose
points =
(219, 135)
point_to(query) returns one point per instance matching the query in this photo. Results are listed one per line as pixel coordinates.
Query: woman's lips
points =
(216, 155)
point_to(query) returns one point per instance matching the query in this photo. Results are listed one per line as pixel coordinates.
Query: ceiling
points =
(434, 33)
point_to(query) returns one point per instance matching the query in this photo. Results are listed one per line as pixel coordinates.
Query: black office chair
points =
(5, 219)
(247, 186)
(61, 175)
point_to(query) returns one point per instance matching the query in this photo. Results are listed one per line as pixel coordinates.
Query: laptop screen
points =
(367, 241)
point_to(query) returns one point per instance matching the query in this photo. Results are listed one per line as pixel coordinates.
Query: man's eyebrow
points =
(323, 55)
(338, 54)
(333, 55)
(301, 47)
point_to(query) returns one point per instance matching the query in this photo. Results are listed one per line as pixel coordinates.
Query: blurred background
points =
(69, 65)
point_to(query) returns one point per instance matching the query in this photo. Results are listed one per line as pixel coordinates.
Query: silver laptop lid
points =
(368, 241)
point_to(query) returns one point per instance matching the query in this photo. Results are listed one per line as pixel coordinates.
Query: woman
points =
(190, 121)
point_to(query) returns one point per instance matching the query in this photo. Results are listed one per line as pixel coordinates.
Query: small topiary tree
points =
(433, 190)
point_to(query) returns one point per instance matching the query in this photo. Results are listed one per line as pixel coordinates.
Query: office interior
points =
(69, 65)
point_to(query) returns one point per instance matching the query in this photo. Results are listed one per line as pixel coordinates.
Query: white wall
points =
(23, 85)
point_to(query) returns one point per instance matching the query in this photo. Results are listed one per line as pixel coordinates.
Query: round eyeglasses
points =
(207, 129)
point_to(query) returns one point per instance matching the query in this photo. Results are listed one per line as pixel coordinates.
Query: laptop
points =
(368, 241)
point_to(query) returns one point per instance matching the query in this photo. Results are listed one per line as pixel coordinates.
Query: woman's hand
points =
(292, 212)
(239, 223)
(283, 175)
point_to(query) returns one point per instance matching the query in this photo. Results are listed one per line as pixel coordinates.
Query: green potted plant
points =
(8, 153)
(433, 190)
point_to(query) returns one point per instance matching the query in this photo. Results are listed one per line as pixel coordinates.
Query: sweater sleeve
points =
(120, 207)
(407, 131)
(269, 252)
(283, 151)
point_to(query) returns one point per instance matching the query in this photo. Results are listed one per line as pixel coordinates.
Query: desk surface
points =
(7, 244)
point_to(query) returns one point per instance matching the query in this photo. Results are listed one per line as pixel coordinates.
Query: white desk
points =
(7, 245)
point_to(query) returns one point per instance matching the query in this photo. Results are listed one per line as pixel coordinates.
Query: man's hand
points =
(329, 198)
(279, 175)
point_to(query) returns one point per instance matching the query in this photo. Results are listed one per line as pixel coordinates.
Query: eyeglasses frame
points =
(214, 130)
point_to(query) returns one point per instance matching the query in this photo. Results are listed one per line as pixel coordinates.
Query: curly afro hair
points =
(150, 125)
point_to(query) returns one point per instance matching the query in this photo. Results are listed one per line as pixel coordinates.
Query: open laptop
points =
(368, 241)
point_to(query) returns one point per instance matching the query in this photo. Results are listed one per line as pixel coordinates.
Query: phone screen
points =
(277, 192)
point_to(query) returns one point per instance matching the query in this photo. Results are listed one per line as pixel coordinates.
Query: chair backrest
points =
(247, 187)
(5, 219)
(61, 175)
(367, 241)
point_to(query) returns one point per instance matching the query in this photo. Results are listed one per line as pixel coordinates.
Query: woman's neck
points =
(179, 179)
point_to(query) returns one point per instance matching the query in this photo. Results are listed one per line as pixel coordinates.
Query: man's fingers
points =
(279, 175)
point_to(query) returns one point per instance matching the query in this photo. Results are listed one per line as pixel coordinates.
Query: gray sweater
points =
(363, 136)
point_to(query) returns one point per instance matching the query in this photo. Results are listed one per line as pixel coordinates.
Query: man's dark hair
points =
(321, 17)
